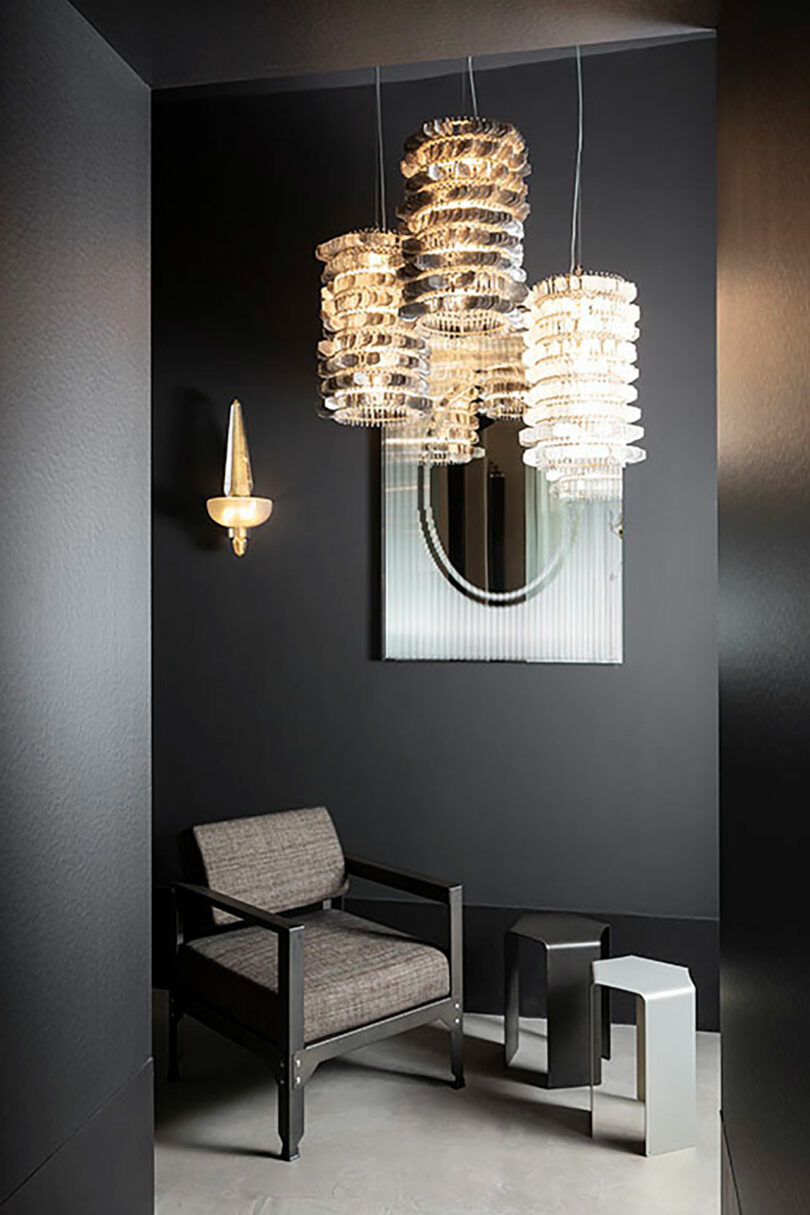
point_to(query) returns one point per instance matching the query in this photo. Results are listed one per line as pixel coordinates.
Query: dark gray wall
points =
(588, 788)
(764, 429)
(74, 554)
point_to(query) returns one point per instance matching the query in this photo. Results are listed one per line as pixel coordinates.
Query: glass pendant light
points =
(580, 367)
(502, 377)
(373, 365)
(451, 434)
(465, 203)
(372, 362)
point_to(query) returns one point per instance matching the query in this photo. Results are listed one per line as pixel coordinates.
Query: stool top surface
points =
(643, 976)
(559, 928)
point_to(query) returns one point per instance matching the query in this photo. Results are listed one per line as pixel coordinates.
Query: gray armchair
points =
(265, 954)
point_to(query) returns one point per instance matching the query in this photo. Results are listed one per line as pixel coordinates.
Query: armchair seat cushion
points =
(355, 972)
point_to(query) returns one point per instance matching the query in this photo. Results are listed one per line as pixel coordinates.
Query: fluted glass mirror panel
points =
(482, 562)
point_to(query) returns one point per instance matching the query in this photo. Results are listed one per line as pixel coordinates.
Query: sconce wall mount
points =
(238, 509)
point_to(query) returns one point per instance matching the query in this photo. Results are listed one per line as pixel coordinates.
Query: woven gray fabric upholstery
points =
(355, 972)
(274, 861)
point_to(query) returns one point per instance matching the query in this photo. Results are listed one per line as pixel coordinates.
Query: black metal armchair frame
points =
(292, 1060)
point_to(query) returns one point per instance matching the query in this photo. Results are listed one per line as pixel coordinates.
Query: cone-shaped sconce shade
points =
(238, 510)
(238, 476)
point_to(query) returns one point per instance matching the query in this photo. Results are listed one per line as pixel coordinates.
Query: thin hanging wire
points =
(576, 210)
(473, 93)
(382, 209)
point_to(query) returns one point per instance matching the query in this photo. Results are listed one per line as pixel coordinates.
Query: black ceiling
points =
(182, 42)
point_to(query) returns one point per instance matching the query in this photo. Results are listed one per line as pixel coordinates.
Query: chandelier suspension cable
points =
(473, 93)
(576, 210)
(382, 210)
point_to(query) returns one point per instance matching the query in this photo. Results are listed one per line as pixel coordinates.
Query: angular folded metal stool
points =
(571, 943)
(665, 1045)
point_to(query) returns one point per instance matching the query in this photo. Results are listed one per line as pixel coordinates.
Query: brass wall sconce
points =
(237, 509)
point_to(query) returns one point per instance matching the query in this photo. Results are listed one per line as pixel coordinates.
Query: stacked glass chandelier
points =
(432, 324)
(580, 366)
(451, 433)
(465, 203)
(373, 363)
(502, 376)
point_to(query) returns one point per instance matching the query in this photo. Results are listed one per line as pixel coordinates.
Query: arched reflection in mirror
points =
(480, 510)
(482, 562)
(491, 526)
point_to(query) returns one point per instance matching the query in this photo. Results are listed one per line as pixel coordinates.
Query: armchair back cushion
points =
(275, 861)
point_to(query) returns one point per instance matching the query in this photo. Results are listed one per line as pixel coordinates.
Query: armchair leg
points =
(290, 1112)
(457, 1047)
(175, 1014)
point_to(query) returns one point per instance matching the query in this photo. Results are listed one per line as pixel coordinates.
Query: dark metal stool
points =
(571, 944)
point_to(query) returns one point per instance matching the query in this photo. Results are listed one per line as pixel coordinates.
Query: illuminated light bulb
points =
(373, 364)
(580, 370)
(237, 509)
(465, 203)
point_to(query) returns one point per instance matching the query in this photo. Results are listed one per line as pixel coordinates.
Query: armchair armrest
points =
(290, 960)
(244, 911)
(404, 879)
(449, 893)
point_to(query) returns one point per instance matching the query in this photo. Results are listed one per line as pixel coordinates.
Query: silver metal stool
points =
(665, 1045)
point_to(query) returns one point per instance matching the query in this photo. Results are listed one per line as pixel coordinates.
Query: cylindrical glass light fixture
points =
(465, 203)
(373, 364)
(580, 367)
(501, 376)
(449, 434)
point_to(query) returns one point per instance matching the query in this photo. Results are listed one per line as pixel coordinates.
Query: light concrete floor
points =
(386, 1135)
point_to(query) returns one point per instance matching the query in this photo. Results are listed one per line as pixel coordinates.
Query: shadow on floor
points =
(216, 1073)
